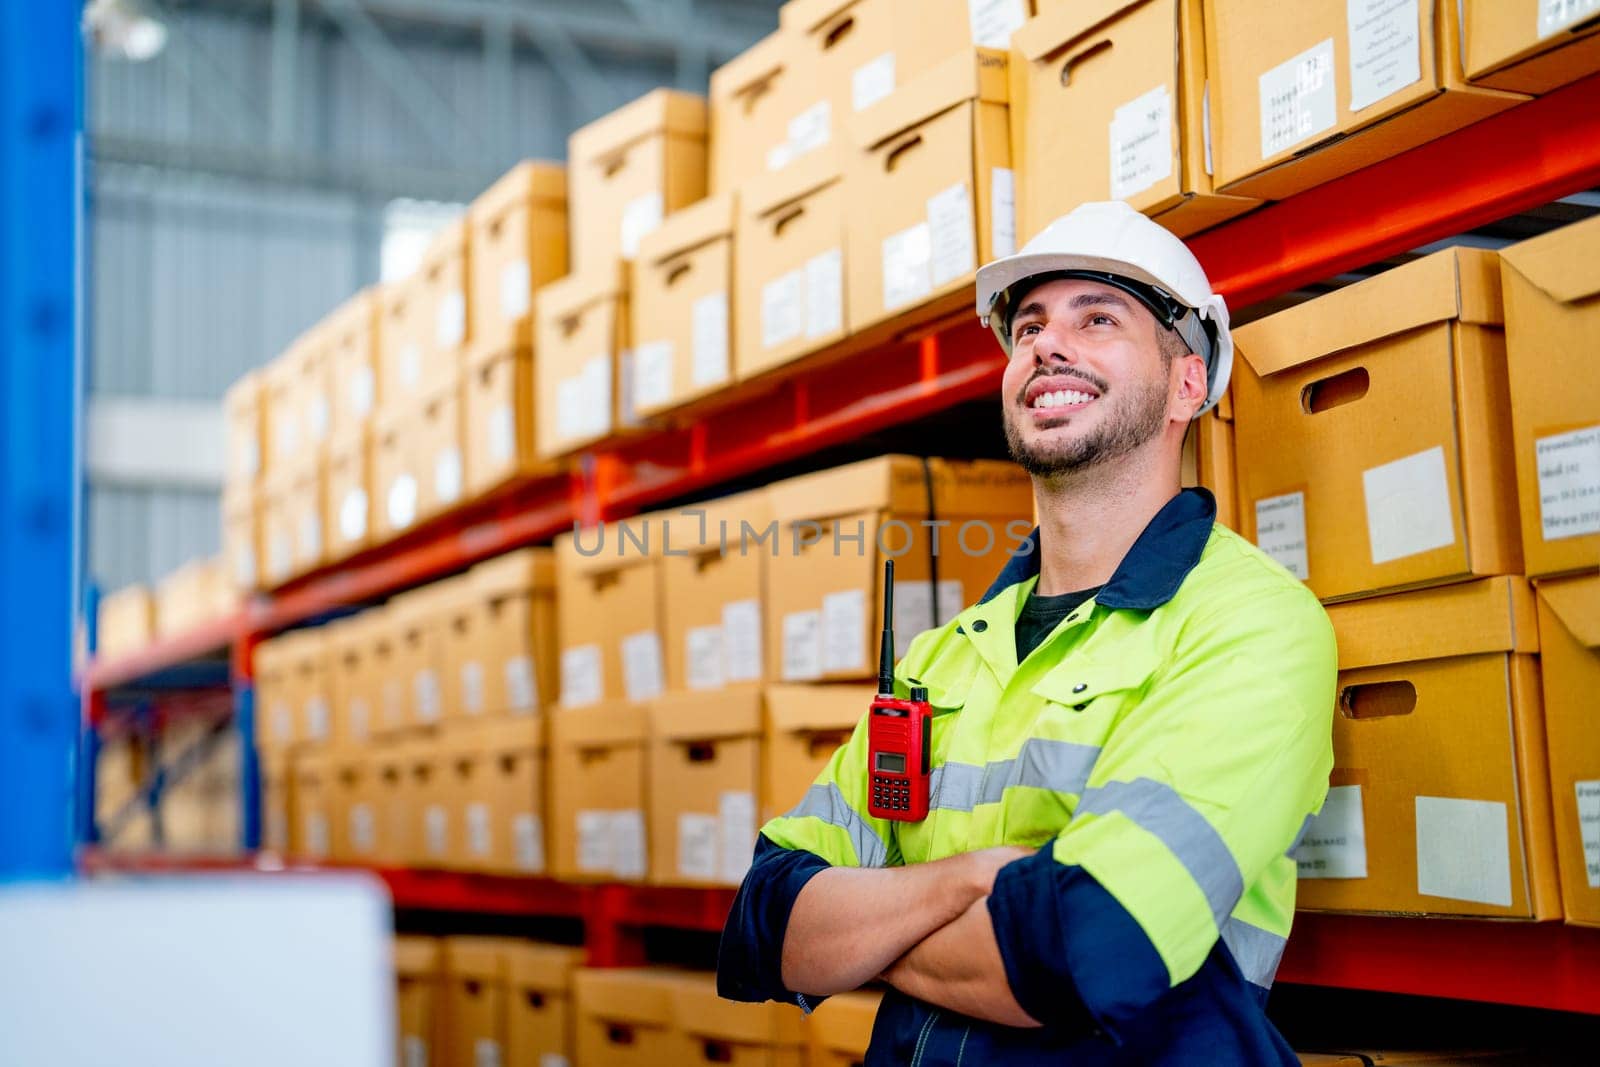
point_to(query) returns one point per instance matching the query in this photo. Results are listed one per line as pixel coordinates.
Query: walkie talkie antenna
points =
(886, 649)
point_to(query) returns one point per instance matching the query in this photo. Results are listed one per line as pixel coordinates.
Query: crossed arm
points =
(924, 929)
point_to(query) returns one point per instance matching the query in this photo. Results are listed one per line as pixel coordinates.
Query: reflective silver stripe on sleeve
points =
(1156, 808)
(825, 802)
(1042, 763)
(1255, 950)
(1305, 828)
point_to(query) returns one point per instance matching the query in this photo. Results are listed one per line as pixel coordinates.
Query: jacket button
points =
(979, 625)
(1080, 687)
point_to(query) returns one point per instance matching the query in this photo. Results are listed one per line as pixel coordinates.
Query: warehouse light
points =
(121, 29)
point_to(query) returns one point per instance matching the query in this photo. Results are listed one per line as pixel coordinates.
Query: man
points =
(1131, 728)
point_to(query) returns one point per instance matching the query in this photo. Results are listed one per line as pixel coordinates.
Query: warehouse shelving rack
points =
(1533, 154)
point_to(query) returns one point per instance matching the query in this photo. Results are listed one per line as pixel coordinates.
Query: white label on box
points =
(594, 842)
(570, 415)
(709, 322)
(1141, 143)
(516, 289)
(244, 571)
(250, 462)
(697, 846)
(282, 723)
(1002, 211)
(652, 374)
(802, 646)
(952, 600)
(872, 81)
(955, 247)
(641, 217)
(641, 665)
(522, 687)
(317, 834)
(1569, 483)
(553, 1059)
(809, 130)
(913, 612)
(1589, 828)
(1281, 532)
(363, 391)
(844, 630)
(780, 156)
(1408, 506)
(310, 535)
(736, 812)
(627, 843)
(502, 431)
(485, 1052)
(527, 842)
(450, 329)
(410, 365)
(317, 416)
(1557, 15)
(447, 475)
(363, 829)
(416, 1051)
(287, 433)
(360, 719)
(741, 640)
(824, 294)
(436, 829)
(317, 716)
(993, 22)
(783, 313)
(907, 266)
(472, 687)
(1297, 100)
(426, 689)
(401, 502)
(1463, 850)
(280, 554)
(1385, 49)
(478, 830)
(703, 658)
(580, 676)
(1335, 844)
(353, 515)
(597, 394)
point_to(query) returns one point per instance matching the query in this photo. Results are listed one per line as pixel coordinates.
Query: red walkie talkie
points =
(899, 733)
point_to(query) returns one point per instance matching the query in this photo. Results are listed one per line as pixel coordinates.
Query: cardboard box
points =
(713, 582)
(277, 530)
(1569, 638)
(311, 834)
(310, 681)
(804, 726)
(539, 1023)
(241, 536)
(499, 408)
(790, 248)
(281, 419)
(277, 810)
(354, 819)
(349, 507)
(311, 394)
(921, 173)
(419, 998)
(1552, 301)
(126, 621)
(712, 1030)
(305, 502)
(440, 465)
(608, 612)
(243, 411)
(389, 685)
(836, 527)
(394, 803)
(704, 773)
(509, 662)
(1439, 801)
(1373, 431)
(352, 337)
(353, 686)
(597, 793)
(464, 767)
(419, 620)
(622, 1017)
(276, 722)
(1299, 95)
(1114, 67)
(1214, 459)
(579, 374)
(513, 799)
(427, 805)
(754, 99)
(682, 323)
(397, 472)
(187, 598)
(1528, 46)
(840, 1029)
(477, 999)
(519, 245)
(423, 324)
(631, 169)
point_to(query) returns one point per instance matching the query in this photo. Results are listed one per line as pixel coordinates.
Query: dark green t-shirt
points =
(1041, 614)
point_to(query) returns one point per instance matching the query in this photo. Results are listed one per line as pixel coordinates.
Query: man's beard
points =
(1140, 416)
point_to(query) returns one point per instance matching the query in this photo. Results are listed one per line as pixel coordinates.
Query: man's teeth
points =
(1062, 398)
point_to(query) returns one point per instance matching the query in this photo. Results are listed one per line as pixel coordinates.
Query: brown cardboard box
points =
(354, 815)
(281, 419)
(500, 443)
(519, 244)
(1299, 95)
(465, 767)
(305, 500)
(354, 688)
(789, 245)
(275, 700)
(311, 834)
(352, 336)
(349, 508)
(419, 619)
(839, 1031)
(1569, 639)
(277, 811)
(539, 1023)
(243, 411)
(622, 1017)
(477, 1001)
(433, 832)
(713, 580)
(394, 803)
(514, 799)
(311, 394)
(704, 772)
(241, 536)
(310, 681)
(277, 530)
(597, 792)
(836, 527)
(711, 1030)
(424, 321)
(183, 598)
(390, 688)
(1440, 797)
(754, 98)
(126, 621)
(681, 331)
(608, 612)
(921, 173)
(1215, 465)
(440, 466)
(631, 169)
(419, 999)
(1552, 298)
(579, 373)
(1113, 67)
(804, 725)
(512, 664)
(1529, 46)
(1373, 431)
(397, 472)
(450, 604)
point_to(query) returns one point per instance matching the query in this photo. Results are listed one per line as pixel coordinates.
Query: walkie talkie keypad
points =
(891, 793)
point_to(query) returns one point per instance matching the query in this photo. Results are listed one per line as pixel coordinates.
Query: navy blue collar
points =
(1150, 574)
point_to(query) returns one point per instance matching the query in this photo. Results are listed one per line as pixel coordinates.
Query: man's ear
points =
(1192, 385)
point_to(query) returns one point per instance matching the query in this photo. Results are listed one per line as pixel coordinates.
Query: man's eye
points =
(1098, 319)
(1028, 330)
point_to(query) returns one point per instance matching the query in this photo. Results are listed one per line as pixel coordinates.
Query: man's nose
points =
(1053, 345)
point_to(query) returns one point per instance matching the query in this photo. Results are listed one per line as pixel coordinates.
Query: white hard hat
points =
(1109, 241)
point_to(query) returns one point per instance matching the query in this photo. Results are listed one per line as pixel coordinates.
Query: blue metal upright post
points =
(41, 122)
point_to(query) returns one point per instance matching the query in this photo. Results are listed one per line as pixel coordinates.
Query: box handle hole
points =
(1078, 59)
(892, 160)
(717, 1052)
(702, 752)
(620, 1035)
(782, 222)
(1343, 388)
(534, 999)
(677, 273)
(838, 32)
(1377, 700)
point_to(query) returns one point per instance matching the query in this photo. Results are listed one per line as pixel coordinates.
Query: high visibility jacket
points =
(1164, 748)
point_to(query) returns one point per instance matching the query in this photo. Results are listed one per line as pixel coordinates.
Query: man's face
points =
(1087, 380)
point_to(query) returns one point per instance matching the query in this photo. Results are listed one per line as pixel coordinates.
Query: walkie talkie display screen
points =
(889, 762)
